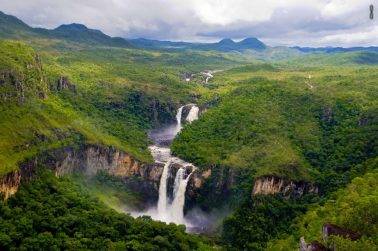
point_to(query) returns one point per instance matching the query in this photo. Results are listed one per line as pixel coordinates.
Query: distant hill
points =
(224, 45)
(12, 27)
(335, 49)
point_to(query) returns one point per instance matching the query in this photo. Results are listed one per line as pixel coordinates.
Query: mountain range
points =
(12, 27)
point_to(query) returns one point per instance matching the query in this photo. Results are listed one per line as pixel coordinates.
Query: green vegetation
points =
(53, 214)
(306, 118)
(111, 191)
(277, 121)
(258, 220)
(354, 208)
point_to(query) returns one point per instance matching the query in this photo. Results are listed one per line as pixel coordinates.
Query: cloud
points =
(290, 22)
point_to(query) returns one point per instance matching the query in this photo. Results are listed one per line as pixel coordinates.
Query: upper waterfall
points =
(193, 114)
(178, 118)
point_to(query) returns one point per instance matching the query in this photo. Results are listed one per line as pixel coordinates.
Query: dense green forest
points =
(305, 119)
(277, 122)
(54, 214)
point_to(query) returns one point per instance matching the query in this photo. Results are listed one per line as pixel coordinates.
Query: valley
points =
(135, 144)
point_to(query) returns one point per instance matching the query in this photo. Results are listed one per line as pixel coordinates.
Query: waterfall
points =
(178, 118)
(177, 207)
(174, 211)
(193, 114)
(162, 203)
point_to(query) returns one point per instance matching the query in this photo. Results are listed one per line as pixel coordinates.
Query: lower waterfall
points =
(163, 198)
(177, 207)
(174, 211)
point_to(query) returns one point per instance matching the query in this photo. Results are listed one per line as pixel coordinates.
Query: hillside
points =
(224, 45)
(352, 208)
(13, 28)
(276, 127)
(136, 144)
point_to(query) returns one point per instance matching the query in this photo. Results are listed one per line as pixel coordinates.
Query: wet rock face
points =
(209, 187)
(160, 113)
(272, 185)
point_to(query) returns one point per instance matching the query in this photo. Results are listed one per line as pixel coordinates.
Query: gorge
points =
(170, 206)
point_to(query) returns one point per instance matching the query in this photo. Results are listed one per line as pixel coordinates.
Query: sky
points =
(275, 22)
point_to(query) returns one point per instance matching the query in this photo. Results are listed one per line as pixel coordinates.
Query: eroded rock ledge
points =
(90, 159)
(269, 185)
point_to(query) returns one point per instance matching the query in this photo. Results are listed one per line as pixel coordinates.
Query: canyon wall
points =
(270, 185)
(90, 159)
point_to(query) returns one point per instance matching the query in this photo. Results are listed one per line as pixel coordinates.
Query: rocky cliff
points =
(269, 185)
(138, 176)
(88, 160)
(9, 184)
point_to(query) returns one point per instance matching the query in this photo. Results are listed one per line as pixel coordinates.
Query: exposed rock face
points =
(270, 185)
(331, 229)
(210, 187)
(64, 84)
(90, 159)
(313, 246)
(9, 184)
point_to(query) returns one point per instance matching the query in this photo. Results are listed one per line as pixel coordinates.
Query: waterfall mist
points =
(171, 208)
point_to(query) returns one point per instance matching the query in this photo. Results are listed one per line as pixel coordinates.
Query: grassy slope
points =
(117, 91)
(277, 124)
(275, 120)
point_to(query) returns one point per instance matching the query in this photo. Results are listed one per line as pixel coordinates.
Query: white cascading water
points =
(193, 114)
(177, 207)
(162, 202)
(178, 118)
(165, 211)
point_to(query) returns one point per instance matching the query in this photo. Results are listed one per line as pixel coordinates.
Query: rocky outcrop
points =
(9, 184)
(313, 246)
(270, 185)
(327, 231)
(64, 84)
(24, 80)
(91, 159)
(331, 229)
(210, 187)
(88, 160)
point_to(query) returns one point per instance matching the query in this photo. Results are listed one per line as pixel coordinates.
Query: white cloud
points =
(310, 22)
